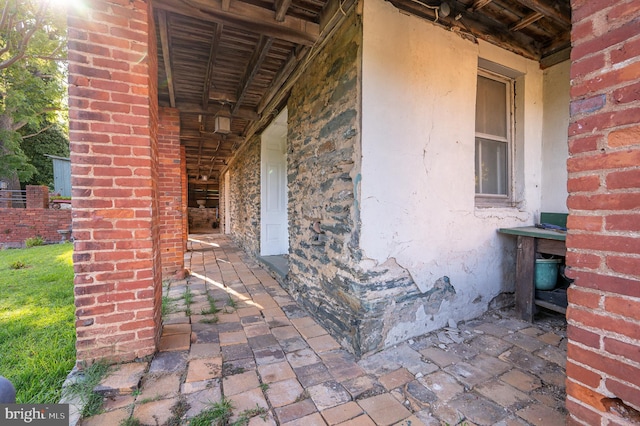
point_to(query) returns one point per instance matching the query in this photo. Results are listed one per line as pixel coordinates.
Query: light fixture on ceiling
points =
(444, 10)
(204, 178)
(223, 125)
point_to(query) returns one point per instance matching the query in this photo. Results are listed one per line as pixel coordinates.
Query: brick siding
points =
(113, 122)
(170, 177)
(603, 365)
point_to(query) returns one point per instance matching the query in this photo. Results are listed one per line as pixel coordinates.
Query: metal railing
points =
(13, 198)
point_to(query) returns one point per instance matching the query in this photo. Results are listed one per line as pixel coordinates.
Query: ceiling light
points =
(444, 9)
(223, 125)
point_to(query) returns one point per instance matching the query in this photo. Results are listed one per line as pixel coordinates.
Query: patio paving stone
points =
(396, 378)
(384, 409)
(156, 412)
(276, 372)
(122, 379)
(114, 417)
(295, 411)
(328, 394)
(169, 362)
(284, 392)
(239, 383)
(493, 370)
(204, 369)
(342, 413)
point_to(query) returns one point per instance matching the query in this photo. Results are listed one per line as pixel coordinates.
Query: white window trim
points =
(497, 200)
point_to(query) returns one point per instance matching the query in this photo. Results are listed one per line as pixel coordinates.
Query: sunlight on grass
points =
(37, 333)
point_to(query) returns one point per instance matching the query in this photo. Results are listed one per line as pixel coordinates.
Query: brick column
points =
(170, 183)
(113, 125)
(37, 197)
(603, 365)
(185, 197)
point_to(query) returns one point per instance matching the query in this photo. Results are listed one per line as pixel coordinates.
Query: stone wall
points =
(358, 299)
(244, 196)
(603, 243)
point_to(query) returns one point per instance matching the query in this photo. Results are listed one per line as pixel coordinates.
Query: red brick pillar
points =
(170, 183)
(113, 125)
(603, 365)
(37, 197)
(185, 198)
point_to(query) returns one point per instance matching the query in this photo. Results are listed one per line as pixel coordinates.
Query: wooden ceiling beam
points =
(526, 21)
(247, 17)
(332, 13)
(258, 57)
(166, 55)
(215, 42)
(283, 75)
(215, 109)
(282, 6)
(478, 4)
(547, 10)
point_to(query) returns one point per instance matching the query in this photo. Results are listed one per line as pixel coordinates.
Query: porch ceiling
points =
(239, 58)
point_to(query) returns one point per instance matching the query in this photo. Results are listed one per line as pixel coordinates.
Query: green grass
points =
(37, 332)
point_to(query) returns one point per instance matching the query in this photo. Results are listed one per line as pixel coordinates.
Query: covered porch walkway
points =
(230, 331)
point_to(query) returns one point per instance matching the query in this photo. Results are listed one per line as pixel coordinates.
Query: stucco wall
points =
(555, 149)
(417, 190)
(244, 197)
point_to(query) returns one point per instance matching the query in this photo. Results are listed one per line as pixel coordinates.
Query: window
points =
(494, 122)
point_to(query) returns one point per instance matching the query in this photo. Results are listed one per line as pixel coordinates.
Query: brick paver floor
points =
(232, 333)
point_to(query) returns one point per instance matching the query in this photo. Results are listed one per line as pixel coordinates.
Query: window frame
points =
(499, 200)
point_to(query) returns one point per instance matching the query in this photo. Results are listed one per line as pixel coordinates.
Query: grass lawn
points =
(37, 334)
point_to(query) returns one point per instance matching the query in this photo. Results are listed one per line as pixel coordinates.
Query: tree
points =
(32, 76)
(37, 144)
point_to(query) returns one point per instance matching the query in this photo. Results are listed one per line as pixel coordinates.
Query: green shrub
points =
(34, 241)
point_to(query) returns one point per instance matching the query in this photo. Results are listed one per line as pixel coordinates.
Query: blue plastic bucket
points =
(546, 273)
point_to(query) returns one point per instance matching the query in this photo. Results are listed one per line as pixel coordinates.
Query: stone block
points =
(239, 383)
(520, 380)
(169, 362)
(156, 412)
(384, 409)
(295, 411)
(284, 392)
(204, 369)
(121, 379)
(309, 375)
(442, 384)
(478, 409)
(328, 394)
(396, 378)
(276, 372)
(341, 413)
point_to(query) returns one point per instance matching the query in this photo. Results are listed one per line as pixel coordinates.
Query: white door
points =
(227, 203)
(274, 234)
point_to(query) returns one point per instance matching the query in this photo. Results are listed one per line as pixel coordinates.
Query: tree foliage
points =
(32, 77)
(37, 145)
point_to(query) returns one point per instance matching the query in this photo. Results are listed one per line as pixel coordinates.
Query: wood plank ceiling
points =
(239, 58)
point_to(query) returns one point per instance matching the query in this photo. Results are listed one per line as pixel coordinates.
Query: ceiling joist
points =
(166, 54)
(217, 34)
(245, 16)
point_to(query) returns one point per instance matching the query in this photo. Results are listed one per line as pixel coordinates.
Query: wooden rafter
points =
(217, 34)
(166, 54)
(259, 54)
(242, 113)
(548, 11)
(282, 6)
(283, 75)
(247, 17)
(526, 21)
(479, 4)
